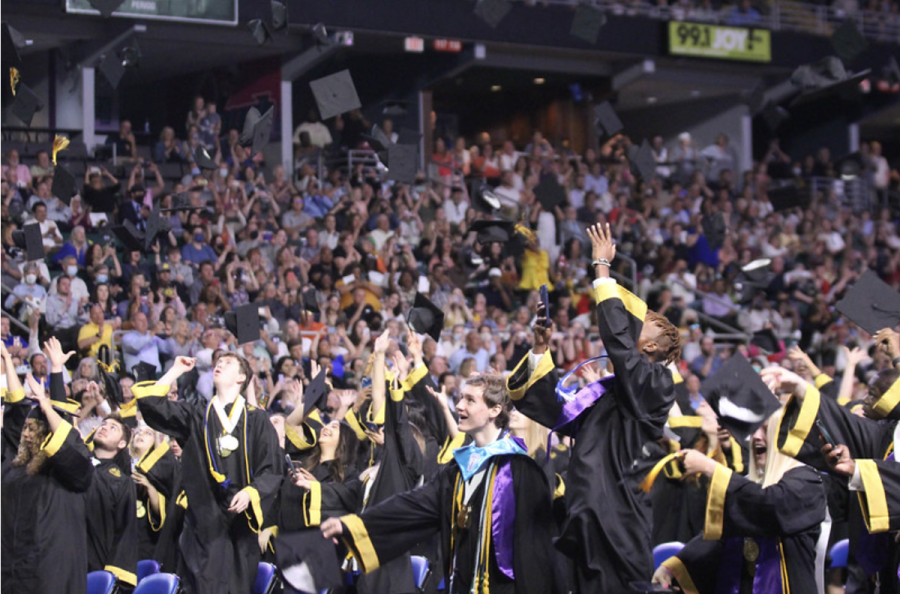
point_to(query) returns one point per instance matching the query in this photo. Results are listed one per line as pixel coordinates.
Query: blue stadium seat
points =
(146, 567)
(266, 579)
(159, 583)
(839, 553)
(101, 582)
(663, 551)
(421, 571)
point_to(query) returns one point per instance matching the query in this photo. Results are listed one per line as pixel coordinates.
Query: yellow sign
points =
(726, 43)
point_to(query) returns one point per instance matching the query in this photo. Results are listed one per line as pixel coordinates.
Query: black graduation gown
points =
(111, 524)
(384, 532)
(44, 528)
(783, 519)
(219, 549)
(163, 470)
(607, 531)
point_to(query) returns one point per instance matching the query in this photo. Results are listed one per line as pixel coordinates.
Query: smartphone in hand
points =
(545, 299)
(824, 435)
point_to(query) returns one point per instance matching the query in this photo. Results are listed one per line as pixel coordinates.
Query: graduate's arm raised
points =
(162, 414)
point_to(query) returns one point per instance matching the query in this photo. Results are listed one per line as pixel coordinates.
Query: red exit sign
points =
(448, 45)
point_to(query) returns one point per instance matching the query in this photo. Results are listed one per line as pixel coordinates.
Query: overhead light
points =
(496, 88)
(651, 100)
(539, 81)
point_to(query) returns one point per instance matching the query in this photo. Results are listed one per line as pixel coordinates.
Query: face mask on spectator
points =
(71, 270)
(223, 172)
(102, 278)
(198, 237)
(30, 279)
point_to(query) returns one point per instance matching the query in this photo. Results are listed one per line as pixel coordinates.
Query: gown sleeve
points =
(162, 414)
(68, 458)
(267, 468)
(880, 501)
(124, 547)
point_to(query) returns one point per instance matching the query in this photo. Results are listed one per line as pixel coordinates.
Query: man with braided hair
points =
(606, 532)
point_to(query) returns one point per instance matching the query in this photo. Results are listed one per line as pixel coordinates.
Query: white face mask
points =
(30, 279)
(223, 172)
(71, 270)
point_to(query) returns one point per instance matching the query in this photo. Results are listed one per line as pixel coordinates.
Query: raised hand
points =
(54, 352)
(414, 344)
(601, 242)
(889, 341)
(839, 460)
(696, 462)
(854, 357)
(779, 378)
(184, 364)
(401, 365)
(542, 331)
(383, 341)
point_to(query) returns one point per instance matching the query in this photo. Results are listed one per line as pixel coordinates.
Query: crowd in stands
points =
(335, 258)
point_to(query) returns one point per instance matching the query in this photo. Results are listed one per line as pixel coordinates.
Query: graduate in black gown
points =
(44, 534)
(758, 537)
(607, 529)
(158, 477)
(491, 507)
(110, 503)
(231, 472)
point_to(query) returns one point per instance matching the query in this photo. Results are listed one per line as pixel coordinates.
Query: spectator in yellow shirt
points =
(95, 333)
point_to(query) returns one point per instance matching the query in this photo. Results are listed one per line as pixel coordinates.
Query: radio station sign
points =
(725, 43)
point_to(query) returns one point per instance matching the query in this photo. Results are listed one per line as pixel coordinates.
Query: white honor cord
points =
(229, 424)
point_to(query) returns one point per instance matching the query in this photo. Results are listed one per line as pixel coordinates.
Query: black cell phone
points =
(823, 433)
(290, 464)
(649, 587)
(373, 427)
(545, 299)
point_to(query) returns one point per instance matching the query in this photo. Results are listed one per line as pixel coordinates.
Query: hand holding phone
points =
(824, 435)
(545, 299)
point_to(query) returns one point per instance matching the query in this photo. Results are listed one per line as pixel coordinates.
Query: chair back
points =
(421, 571)
(663, 551)
(146, 567)
(101, 582)
(159, 583)
(839, 553)
(266, 579)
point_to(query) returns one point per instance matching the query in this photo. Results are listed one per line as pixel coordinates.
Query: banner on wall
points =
(210, 12)
(715, 41)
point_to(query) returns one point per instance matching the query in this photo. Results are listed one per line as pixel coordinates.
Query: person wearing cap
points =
(611, 421)
(232, 471)
(42, 500)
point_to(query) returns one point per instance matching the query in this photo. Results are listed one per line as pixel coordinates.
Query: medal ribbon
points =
(229, 422)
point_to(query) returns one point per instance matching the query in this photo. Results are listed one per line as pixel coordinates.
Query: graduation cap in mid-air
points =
(144, 372)
(587, 22)
(243, 322)
(492, 231)
(279, 16)
(740, 398)
(871, 303)
(29, 238)
(492, 11)
(848, 42)
(13, 41)
(774, 116)
(26, 104)
(335, 94)
(111, 385)
(394, 107)
(425, 317)
(767, 341)
(308, 561)
(849, 166)
(606, 120)
(131, 237)
(156, 225)
(315, 396)
(714, 229)
(641, 161)
(203, 160)
(753, 278)
(787, 196)
(826, 78)
(257, 129)
(63, 186)
(66, 408)
(106, 7)
(310, 303)
(483, 198)
(112, 68)
(260, 31)
(549, 193)
(402, 163)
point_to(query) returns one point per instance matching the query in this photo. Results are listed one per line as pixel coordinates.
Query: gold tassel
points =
(60, 143)
(524, 231)
(14, 79)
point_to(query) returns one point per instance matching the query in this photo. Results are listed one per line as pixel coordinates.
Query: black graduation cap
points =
(257, 129)
(740, 397)
(320, 34)
(714, 229)
(29, 239)
(378, 139)
(316, 394)
(260, 31)
(111, 385)
(66, 408)
(12, 43)
(825, 78)
(112, 68)
(402, 163)
(549, 193)
(849, 166)
(308, 561)
(106, 7)
(203, 160)
(26, 104)
(587, 22)
(156, 225)
(279, 16)
(871, 303)
(394, 107)
(753, 278)
(132, 237)
(310, 303)
(786, 196)
(425, 317)
(483, 198)
(243, 322)
(180, 202)
(767, 341)
(848, 42)
(335, 94)
(606, 120)
(492, 231)
(641, 160)
(492, 11)
(407, 136)
(143, 372)
(774, 115)
(63, 186)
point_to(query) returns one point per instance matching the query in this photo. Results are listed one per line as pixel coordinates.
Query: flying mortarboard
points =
(29, 239)
(425, 317)
(112, 68)
(766, 341)
(308, 561)
(492, 231)
(492, 11)
(106, 7)
(823, 79)
(66, 408)
(786, 196)
(402, 163)
(587, 22)
(156, 225)
(753, 278)
(774, 115)
(279, 16)
(549, 193)
(848, 42)
(310, 303)
(143, 372)
(203, 160)
(63, 186)
(641, 161)
(394, 107)
(740, 398)
(714, 229)
(132, 237)
(111, 385)
(260, 31)
(871, 303)
(335, 94)
(26, 104)
(606, 120)
(243, 322)
(316, 394)
(849, 166)
(483, 198)
(257, 129)
(12, 43)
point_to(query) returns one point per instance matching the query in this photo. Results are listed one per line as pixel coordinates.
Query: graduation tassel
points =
(60, 143)
(647, 483)
(13, 79)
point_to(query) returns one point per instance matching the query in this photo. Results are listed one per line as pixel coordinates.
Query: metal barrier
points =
(858, 193)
